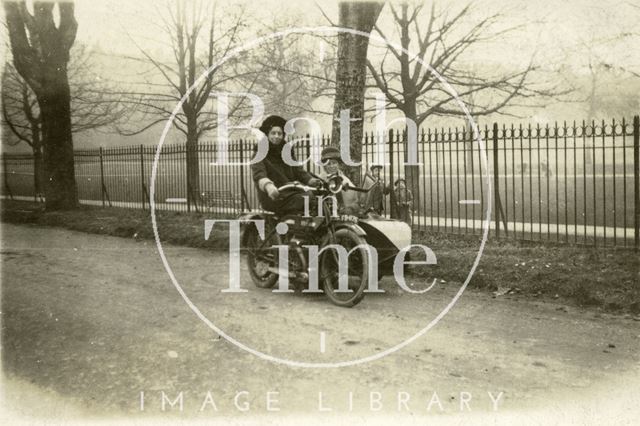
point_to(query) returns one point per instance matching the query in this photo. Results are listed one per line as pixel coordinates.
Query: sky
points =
(549, 26)
(556, 33)
(554, 30)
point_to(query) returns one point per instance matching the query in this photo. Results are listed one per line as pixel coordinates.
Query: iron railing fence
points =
(570, 182)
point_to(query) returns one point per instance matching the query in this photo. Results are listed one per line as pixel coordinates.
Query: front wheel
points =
(355, 273)
(260, 256)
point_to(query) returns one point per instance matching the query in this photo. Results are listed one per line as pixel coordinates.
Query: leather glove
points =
(272, 191)
(315, 182)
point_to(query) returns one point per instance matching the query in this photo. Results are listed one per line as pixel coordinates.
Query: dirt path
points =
(91, 321)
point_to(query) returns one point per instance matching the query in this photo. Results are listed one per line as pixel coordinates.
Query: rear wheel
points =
(355, 276)
(261, 255)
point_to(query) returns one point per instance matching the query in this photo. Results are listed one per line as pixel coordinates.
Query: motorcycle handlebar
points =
(298, 186)
(303, 187)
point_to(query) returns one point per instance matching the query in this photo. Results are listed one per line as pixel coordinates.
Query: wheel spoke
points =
(357, 265)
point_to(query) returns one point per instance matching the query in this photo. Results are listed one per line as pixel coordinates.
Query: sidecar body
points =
(388, 236)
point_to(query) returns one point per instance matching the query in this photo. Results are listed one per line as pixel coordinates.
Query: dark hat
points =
(399, 180)
(330, 152)
(374, 166)
(271, 122)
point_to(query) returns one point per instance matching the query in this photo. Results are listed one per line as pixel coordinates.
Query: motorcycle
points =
(327, 231)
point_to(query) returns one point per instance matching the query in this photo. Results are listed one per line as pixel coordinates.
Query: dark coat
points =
(403, 204)
(274, 168)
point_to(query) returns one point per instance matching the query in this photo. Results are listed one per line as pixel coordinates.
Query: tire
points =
(358, 270)
(257, 252)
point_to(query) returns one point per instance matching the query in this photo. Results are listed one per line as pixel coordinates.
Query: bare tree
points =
(198, 37)
(294, 73)
(351, 73)
(596, 67)
(21, 120)
(92, 106)
(40, 55)
(611, 86)
(440, 39)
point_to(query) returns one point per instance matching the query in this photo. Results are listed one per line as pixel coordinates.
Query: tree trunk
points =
(61, 192)
(193, 166)
(41, 58)
(38, 161)
(351, 73)
(412, 172)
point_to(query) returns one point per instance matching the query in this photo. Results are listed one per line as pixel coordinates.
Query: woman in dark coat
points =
(272, 172)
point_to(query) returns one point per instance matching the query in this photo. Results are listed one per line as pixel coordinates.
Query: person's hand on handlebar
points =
(272, 191)
(315, 182)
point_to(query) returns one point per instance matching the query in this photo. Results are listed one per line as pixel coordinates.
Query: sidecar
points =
(388, 236)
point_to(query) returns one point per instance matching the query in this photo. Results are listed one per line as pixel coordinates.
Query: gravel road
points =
(92, 326)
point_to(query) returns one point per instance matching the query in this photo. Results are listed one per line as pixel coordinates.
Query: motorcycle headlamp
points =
(335, 183)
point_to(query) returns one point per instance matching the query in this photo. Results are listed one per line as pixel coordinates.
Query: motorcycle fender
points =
(243, 224)
(353, 227)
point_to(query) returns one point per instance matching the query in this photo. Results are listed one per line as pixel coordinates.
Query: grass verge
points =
(608, 279)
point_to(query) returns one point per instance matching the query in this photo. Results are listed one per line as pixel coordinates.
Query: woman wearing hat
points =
(272, 172)
(403, 201)
(377, 190)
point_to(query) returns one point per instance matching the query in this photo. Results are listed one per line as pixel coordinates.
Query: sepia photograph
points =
(320, 212)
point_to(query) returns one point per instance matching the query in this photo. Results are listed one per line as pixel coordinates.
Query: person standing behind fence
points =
(375, 197)
(403, 201)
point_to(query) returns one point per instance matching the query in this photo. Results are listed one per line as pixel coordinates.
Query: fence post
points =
(636, 181)
(188, 170)
(241, 170)
(308, 152)
(391, 177)
(35, 178)
(142, 186)
(6, 181)
(101, 177)
(496, 181)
